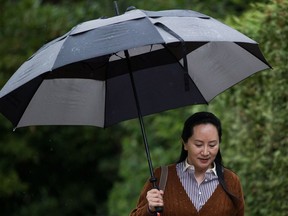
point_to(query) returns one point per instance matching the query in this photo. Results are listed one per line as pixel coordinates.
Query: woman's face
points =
(202, 146)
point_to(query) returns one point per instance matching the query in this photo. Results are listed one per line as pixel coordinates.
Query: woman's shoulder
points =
(231, 177)
(233, 183)
(229, 173)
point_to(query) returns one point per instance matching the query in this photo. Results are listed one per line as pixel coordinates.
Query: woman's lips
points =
(204, 160)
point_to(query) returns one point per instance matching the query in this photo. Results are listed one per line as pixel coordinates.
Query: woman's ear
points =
(184, 144)
(182, 141)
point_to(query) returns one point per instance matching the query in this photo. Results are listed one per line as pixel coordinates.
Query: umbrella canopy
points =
(176, 57)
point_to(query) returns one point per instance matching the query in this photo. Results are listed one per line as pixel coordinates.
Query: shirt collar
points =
(188, 166)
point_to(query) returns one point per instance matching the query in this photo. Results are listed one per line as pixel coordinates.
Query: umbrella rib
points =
(184, 52)
(184, 55)
(254, 50)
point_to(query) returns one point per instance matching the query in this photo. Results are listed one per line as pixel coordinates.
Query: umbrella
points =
(105, 71)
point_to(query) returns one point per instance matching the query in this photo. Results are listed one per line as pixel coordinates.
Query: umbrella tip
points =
(116, 8)
(130, 8)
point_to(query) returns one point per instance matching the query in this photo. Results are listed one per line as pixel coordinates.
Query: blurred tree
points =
(258, 123)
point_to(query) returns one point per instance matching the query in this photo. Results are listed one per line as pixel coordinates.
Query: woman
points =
(197, 184)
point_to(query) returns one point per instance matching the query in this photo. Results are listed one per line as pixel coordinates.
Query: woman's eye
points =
(213, 145)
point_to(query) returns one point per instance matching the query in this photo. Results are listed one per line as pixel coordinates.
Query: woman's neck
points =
(199, 176)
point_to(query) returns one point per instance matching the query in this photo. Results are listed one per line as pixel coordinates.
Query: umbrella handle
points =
(158, 209)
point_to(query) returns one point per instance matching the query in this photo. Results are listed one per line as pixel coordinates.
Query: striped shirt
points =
(198, 194)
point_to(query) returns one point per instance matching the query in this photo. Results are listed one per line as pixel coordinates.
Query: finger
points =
(153, 205)
(156, 191)
(155, 198)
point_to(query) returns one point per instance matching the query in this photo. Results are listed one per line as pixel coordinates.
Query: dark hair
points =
(205, 118)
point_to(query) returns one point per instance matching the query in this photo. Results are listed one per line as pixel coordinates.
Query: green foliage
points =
(60, 170)
(256, 124)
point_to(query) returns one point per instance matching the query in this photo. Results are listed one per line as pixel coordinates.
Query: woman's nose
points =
(205, 152)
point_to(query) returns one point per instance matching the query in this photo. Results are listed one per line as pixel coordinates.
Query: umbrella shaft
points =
(140, 117)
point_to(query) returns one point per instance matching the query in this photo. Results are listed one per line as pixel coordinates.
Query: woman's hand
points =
(155, 199)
